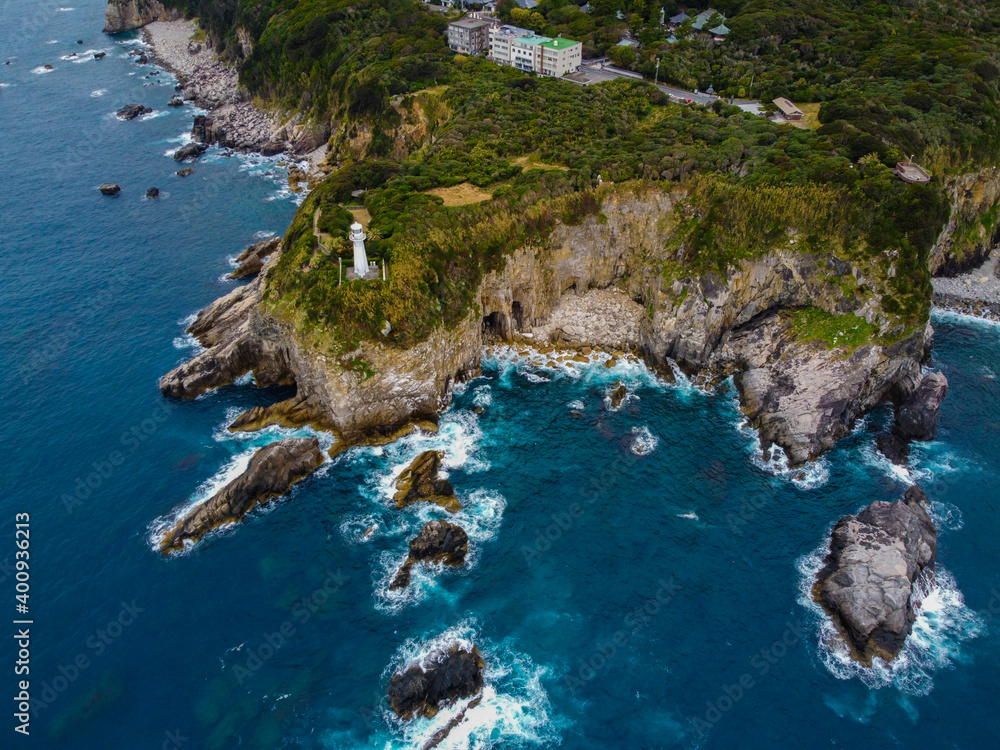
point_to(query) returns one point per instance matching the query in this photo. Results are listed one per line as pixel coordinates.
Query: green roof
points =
(558, 44)
(532, 39)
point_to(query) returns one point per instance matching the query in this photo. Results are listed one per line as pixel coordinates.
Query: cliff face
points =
(593, 284)
(126, 15)
(972, 229)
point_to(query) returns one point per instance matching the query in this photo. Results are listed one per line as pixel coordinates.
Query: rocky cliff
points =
(972, 229)
(126, 15)
(597, 283)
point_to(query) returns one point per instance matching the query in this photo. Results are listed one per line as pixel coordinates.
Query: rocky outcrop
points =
(420, 482)
(131, 111)
(110, 188)
(438, 542)
(440, 680)
(967, 239)
(126, 15)
(617, 396)
(916, 418)
(251, 261)
(190, 151)
(867, 581)
(894, 448)
(272, 471)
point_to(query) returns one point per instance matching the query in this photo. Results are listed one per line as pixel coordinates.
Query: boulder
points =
(185, 172)
(894, 448)
(272, 471)
(420, 481)
(100, 55)
(190, 151)
(175, 101)
(916, 418)
(110, 188)
(153, 193)
(438, 542)
(866, 584)
(131, 111)
(441, 679)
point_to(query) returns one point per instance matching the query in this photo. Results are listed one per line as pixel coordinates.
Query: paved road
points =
(597, 75)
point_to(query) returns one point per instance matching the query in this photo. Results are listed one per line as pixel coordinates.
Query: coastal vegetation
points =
(410, 118)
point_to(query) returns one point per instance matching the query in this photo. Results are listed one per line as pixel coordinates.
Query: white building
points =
(525, 50)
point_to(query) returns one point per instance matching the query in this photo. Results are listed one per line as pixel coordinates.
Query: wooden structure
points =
(788, 109)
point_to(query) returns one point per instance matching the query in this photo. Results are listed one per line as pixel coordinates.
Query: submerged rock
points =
(272, 471)
(153, 193)
(437, 542)
(421, 690)
(251, 260)
(916, 418)
(185, 172)
(110, 188)
(867, 581)
(190, 151)
(131, 111)
(100, 55)
(894, 448)
(617, 396)
(175, 101)
(420, 481)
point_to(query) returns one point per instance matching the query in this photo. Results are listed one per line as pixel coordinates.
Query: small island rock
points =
(448, 676)
(110, 188)
(420, 481)
(153, 193)
(916, 418)
(190, 150)
(131, 111)
(866, 584)
(894, 448)
(272, 471)
(437, 542)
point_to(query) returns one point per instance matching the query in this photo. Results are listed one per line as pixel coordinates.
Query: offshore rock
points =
(916, 418)
(175, 101)
(438, 542)
(251, 260)
(190, 150)
(894, 448)
(617, 395)
(423, 689)
(420, 481)
(110, 188)
(153, 193)
(867, 581)
(272, 471)
(131, 111)
(126, 15)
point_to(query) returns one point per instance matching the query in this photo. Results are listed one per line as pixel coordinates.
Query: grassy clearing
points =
(810, 118)
(533, 162)
(460, 195)
(848, 331)
(361, 216)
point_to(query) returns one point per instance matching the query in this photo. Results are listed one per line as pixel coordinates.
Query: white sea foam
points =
(53, 41)
(643, 441)
(41, 69)
(5, 85)
(515, 710)
(98, 92)
(577, 405)
(952, 316)
(263, 234)
(64, 10)
(943, 623)
(187, 341)
(690, 515)
(482, 396)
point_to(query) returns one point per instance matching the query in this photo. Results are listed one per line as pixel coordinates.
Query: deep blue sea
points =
(638, 577)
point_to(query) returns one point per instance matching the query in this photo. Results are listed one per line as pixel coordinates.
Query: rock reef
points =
(251, 261)
(868, 579)
(916, 418)
(438, 542)
(420, 482)
(272, 471)
(443, 678)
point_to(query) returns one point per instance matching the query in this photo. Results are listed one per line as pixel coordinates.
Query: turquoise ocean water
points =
(637, 577)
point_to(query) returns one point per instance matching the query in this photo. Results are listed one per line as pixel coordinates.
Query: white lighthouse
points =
(358, 237)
